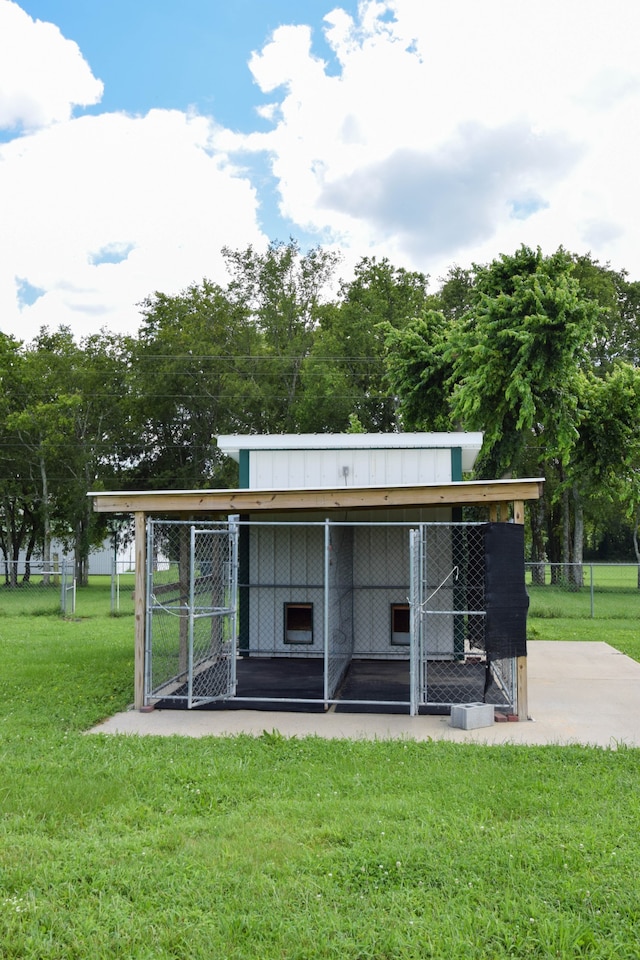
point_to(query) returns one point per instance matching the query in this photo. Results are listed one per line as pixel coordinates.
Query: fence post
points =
(140, 605)
(325, 602)
(114, 574)
(592, 604)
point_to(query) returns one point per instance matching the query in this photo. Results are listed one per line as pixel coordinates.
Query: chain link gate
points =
(450, 659)
(192, 578)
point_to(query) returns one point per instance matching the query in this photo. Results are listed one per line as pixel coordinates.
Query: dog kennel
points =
(334, 614)
(342, 597)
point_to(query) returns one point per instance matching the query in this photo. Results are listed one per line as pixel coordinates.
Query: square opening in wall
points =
(400, 624)
(298, 623)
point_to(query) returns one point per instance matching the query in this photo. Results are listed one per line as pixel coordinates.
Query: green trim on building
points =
(244, 470)
(456, 463)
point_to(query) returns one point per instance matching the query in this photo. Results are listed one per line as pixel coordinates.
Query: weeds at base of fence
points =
(549, 613)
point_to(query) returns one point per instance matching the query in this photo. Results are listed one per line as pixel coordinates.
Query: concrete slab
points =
(586, 693)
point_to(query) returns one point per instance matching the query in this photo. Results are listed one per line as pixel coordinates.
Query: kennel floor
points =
(369, 686)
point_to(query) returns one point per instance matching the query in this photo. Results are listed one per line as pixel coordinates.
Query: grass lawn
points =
(125, 847)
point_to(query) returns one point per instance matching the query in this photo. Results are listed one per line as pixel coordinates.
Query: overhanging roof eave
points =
(474, 492)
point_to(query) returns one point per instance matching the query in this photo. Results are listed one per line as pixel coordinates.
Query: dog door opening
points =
(298, 623)
(400, 624)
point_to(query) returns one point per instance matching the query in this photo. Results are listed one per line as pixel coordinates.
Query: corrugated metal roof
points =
(469, 443)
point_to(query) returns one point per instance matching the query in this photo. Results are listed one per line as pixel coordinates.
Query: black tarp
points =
(505, 595)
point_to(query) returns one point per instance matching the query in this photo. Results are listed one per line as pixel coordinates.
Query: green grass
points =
(610, 591)
(621, 633)
(163, 848)
(37, 599)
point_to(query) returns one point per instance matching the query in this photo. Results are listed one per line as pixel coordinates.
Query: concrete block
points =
(469, 716)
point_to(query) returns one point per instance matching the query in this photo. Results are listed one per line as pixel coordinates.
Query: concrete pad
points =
(586, 693)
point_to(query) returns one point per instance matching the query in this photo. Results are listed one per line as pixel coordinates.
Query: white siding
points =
(381, 578)
(300, 469)
(286, 566)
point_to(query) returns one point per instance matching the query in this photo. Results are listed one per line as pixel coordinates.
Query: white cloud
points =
(101, 211)
(107, 209)
(440, 133)
(42, 75)
(457, 131)
(430, 199)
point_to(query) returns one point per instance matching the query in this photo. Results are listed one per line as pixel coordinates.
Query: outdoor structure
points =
(341, 574)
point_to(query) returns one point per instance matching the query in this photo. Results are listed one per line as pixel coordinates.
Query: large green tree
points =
(344, 374)
(511, 365)
(606, 456)
(516, 357)
(282, 291)
(63, 433)
(194, 374)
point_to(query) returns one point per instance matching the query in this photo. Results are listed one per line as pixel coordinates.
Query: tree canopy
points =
(540, 352)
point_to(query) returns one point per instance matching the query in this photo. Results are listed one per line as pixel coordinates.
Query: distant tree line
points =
(539, 352)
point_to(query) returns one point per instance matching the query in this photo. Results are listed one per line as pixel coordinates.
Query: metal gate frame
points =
(500, 674)
(207, 625)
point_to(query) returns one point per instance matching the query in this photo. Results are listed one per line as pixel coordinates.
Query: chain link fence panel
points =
(584, 590)
(455, 665)
(38, 587)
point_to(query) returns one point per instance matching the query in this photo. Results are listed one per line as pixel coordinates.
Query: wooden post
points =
(522, 688)
(140, 608)
(493, 512)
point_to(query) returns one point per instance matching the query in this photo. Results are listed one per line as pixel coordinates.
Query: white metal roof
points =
(469, 443)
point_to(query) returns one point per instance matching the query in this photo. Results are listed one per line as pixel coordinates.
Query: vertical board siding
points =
(286, 566)
(381, 577)
(300, 469)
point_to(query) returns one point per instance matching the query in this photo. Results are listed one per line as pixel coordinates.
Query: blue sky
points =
(180, 53)
(140, 137)
(185, 54)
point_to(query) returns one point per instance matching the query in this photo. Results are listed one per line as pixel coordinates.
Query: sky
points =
(137, 139)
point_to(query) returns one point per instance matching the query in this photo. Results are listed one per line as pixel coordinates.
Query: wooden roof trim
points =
(470, 492)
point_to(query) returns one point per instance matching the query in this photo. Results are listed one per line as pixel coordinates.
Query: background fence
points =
(586, 590)
(37, 587)
(573, 591)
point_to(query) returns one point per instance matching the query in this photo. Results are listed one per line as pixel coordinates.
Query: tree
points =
(511, 365)
(193, 375)
(62, 430)
(71, 428)
(617, 333)
(281, 291)
(344, 374)
(16, 490)
(516, 359)
(419, 371)
(606, 456)
(43, 428)
(456, 294)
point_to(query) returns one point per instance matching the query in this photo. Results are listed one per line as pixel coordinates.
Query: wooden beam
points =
(522, 687)
(472, 492)
(140, 608)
